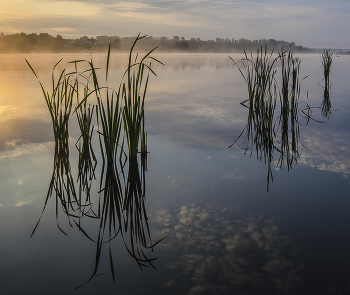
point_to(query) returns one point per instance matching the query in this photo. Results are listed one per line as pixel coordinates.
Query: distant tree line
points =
(43, 42)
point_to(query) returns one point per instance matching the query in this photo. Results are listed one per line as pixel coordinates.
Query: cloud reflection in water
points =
(219, 255)
(328, 155)
(23, 135)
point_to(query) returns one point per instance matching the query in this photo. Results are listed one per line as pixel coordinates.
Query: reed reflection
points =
(326, 106)
(122, 212)
(87, 159)
(62, 187)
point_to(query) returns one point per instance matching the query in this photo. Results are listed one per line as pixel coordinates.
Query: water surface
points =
(224, 232)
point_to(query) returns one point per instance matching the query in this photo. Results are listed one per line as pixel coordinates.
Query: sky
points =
(310, 23)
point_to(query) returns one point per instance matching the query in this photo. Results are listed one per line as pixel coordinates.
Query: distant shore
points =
(45, 43)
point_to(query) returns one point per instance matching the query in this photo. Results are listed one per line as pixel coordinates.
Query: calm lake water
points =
(224, 233)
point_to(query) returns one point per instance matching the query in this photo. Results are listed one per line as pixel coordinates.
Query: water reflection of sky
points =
(219, 254)
(224, 232)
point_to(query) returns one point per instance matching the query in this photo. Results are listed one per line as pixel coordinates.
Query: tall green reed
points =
(108, 112)
(134, 94)
(59, 103)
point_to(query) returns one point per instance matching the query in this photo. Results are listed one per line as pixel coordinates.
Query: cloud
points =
(64, 29)
(288, 20)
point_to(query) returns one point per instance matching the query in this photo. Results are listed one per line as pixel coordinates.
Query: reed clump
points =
(120, 117)
(259, 131)
(123, 107)
(268, 131)
(327, 59)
